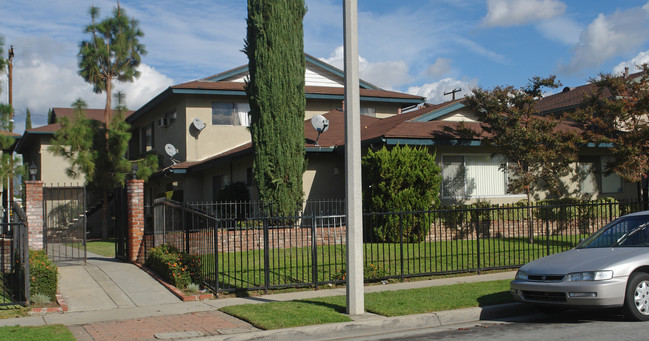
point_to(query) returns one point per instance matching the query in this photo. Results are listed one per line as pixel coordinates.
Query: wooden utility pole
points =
(452, 93)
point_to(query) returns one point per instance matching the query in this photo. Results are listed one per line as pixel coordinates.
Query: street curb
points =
(179, 293)
(376, 323)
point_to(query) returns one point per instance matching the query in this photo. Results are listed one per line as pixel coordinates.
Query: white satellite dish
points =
(198, 124)
(171, 151)
(320, 124)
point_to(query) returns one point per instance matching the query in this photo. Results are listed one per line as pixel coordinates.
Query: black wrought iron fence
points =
(65, 222)
(241, 249)
(14, 260)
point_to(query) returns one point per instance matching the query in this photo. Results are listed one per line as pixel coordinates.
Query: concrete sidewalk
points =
(111, 300)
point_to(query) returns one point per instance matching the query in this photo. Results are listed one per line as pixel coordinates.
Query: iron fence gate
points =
(14, 260)
(120, 216)
(64, 233)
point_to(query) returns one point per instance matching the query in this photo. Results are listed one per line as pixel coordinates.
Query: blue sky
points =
(424, 47)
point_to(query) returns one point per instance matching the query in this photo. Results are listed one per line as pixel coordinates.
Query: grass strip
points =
(277, 315)
(102, 247)
(55, 332)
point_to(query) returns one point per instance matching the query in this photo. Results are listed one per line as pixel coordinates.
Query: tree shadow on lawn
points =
(338, 308)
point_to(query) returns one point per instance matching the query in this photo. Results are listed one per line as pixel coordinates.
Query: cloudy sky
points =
(423, 47)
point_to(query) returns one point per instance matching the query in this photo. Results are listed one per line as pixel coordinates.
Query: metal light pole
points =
(353, 188)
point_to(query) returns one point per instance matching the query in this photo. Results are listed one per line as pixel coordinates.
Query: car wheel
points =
(636, 301)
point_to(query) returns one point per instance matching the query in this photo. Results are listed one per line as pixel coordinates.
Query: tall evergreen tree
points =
(275, 49)
(28, 119)
(113, 52)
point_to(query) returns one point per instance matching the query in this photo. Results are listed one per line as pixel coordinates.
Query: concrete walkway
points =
(106, 283)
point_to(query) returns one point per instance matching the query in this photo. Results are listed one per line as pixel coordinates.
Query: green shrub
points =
(466, 219)
(370, 272)
(39, 298)
(177, 268)
(402, 179)
(43, 274)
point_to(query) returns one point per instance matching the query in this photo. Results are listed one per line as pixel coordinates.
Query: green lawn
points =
(294, 265)
(46, 333)
(388, 303)
(102, 247)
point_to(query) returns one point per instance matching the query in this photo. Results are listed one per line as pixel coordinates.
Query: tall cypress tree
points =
(275, 49)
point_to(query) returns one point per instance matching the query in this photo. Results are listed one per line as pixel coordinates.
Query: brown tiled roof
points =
(93, 114)
(567, 99)
(50, 128)
(317, 90)
(8, 133)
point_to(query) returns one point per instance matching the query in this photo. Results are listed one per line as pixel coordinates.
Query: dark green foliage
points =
(275, 49)
(43, 274)
(403, 179)
(467, 220)
(236, 191)
(177, 268)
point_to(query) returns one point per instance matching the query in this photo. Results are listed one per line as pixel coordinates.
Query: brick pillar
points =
(34, 205)
(135, 229)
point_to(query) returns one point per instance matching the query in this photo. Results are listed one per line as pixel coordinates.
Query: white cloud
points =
(560, 29)
(434, 92)
(609, 36)
(521, 12)
(40, 85)
(641, 58)
(386, 75)
(441, 67)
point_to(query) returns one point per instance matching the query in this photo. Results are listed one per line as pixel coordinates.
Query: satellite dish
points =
(171, 151)
(198, 124)
(320, 124)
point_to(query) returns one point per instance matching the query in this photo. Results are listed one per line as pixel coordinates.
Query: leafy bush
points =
(177, 268)
(402, 179)
(43, 274)
(370, 272)
(569, 208)
(466, 219)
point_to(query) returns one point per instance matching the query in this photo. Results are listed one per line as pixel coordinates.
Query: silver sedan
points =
(609, 269)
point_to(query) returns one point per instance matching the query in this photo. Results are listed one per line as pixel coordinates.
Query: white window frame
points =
(238, 114)
(470, 171)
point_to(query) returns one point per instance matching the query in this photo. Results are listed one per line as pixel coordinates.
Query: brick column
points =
(34, 205)
(135, 229)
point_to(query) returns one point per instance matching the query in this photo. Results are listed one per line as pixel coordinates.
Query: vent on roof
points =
(566, 89)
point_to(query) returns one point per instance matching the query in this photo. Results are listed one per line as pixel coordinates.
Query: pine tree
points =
(113, 52)
(28, 119)
(275, 49)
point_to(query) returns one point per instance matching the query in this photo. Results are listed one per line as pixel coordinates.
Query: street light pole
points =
(353, 188)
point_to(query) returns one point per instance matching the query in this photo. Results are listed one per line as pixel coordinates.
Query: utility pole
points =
(353, 188)
(453, 93)
(10, 197)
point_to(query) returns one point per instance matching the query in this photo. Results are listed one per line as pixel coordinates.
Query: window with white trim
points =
(229, 113)
(478, 175)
